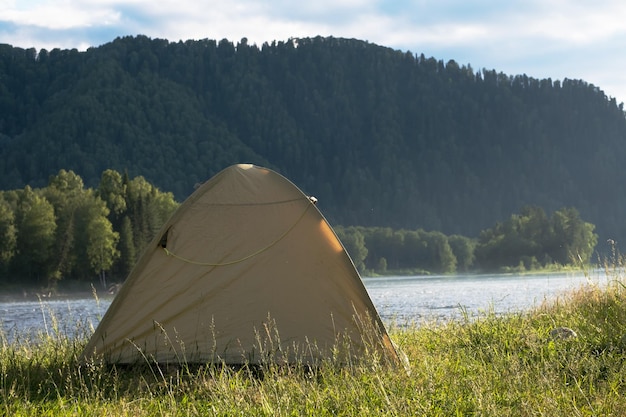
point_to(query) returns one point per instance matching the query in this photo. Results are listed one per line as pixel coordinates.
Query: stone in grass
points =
(562, 333)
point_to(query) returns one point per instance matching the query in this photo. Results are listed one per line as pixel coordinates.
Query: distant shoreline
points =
(70, 289)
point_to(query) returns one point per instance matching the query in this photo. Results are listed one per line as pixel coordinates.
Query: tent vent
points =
(163, 241)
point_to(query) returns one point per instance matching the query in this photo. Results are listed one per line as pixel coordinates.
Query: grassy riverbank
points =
(485, 365)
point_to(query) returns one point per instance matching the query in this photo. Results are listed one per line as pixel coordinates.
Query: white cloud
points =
(58, 15)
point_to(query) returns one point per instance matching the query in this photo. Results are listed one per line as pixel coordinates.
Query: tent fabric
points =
(246, 270)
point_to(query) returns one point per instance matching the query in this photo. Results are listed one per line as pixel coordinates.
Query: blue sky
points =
(577, 39)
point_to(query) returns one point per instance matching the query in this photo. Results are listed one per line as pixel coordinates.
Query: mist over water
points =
(399, 300)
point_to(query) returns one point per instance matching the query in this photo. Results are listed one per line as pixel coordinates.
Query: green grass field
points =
(488, 365)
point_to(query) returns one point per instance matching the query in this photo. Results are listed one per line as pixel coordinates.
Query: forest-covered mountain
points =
(381, 137)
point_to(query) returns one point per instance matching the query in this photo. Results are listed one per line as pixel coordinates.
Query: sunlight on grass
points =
(486, 365)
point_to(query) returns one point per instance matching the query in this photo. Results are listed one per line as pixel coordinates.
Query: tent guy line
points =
(245, 258)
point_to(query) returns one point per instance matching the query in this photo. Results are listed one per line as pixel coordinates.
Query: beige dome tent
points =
(246, 270)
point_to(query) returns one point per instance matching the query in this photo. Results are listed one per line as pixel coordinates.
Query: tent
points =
(246, 270)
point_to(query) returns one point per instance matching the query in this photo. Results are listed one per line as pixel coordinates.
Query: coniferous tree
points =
(127, 248)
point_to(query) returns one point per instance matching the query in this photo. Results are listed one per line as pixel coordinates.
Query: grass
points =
(488, 365)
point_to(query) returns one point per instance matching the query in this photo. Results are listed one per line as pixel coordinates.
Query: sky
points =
(557, 39)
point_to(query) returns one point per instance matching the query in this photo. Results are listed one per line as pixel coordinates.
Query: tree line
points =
(383, 138)
(529, 240)
(65, 231)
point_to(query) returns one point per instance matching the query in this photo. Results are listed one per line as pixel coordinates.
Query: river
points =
(399, 300)
(411, 300)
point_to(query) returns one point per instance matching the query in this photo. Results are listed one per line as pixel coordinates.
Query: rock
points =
(562, 333)
(113, 289)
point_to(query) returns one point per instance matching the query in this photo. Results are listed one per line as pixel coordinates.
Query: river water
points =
(399, 300)
(411, 300)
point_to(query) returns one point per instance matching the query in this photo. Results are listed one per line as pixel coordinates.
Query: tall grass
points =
(488, 365)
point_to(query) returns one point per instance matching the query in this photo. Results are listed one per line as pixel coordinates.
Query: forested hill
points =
(379, 136)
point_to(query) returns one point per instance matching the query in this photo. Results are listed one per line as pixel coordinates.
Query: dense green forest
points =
(383, 138)
(66, 232)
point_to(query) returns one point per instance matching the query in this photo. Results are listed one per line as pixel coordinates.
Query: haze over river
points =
(401, 300)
